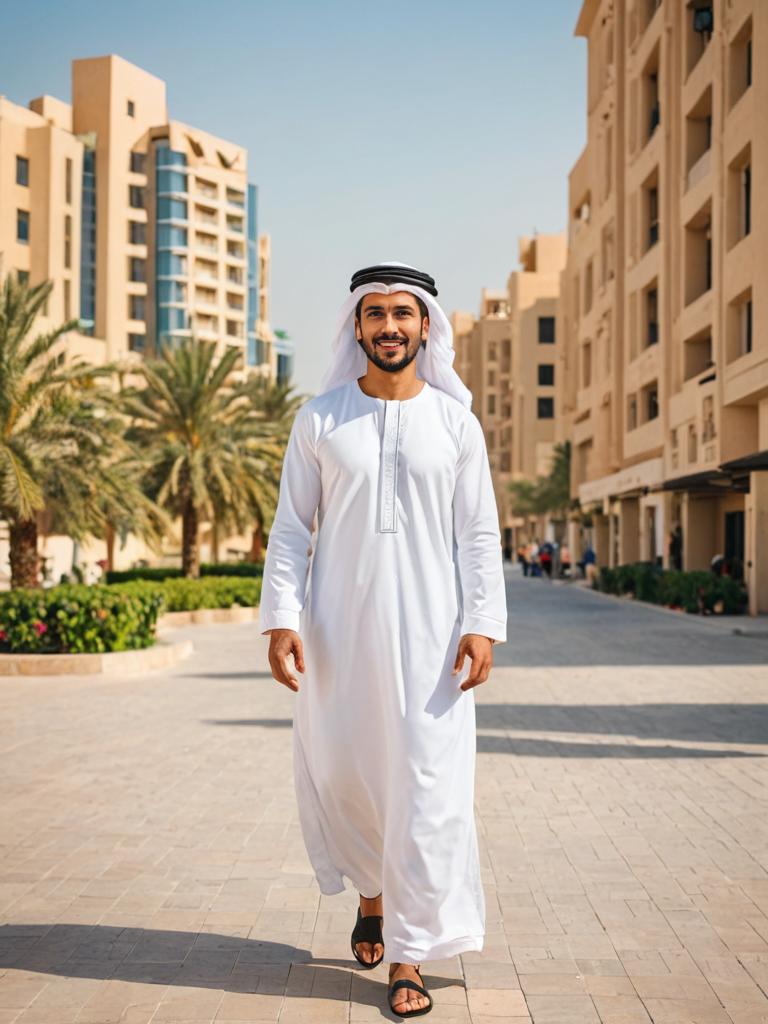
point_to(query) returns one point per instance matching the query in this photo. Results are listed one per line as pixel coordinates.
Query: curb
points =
(206, 616)
(161, 655)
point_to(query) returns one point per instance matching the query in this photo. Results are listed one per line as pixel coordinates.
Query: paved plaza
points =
(153, 867)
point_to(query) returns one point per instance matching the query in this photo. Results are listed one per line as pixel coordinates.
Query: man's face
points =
(391, 329)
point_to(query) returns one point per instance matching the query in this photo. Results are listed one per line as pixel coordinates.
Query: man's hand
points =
(283, 642)
(478, 648)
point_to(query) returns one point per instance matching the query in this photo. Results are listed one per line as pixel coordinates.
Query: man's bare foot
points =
(406, 999)
(370, 908)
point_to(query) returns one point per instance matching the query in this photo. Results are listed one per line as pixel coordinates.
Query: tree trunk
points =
(257, 544)
(190, 551)
(110, 540)
(23, 553)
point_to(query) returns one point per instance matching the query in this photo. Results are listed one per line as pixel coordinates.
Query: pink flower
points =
(3, 635)
(39, 628)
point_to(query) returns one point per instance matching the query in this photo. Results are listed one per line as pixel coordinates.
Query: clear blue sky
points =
(434, 132)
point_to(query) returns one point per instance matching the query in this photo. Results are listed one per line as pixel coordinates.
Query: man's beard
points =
(387, 363)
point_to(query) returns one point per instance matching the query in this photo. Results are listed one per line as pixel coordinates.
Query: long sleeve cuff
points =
(278, 619)
(495, 629)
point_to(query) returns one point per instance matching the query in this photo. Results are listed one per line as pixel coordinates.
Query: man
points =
(405, 581)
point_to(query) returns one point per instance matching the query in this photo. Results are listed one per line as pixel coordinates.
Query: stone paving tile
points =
(153, 867)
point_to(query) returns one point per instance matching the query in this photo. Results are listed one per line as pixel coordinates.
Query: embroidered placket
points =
(389, 449)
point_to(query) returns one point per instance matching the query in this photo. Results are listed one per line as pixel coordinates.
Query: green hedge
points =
(695, 592)
(77, 619)
(183, 595)
(248, 569)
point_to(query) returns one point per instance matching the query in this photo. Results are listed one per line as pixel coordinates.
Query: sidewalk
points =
(153, 868)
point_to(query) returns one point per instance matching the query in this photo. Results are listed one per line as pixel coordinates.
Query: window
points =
(746, 326)
(173, 291)
(22, 276)
(171, 209)
(698, 138)
(22, 170)
(588, 287)
(652, 315)
(698, 254)
(137, 232)
(170, 264)
(138, 162)
(136, 307)
(171, 181)
(650, 401)
(22, 226)
(68, 180)
(136, 269)
(137, 342)
(631, 412)
(136, 196)
(546, 330)
(67, 241)
(545, 408)
(586, 364)
(653, 216)
(738, 336)
(169, 237)
(546, 374)
(491, 405)
(67, 299)
(745, 200)
(131, 108)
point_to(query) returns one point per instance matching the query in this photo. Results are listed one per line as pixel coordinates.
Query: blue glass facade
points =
(254, 354)
(88, 244)
(171, 244)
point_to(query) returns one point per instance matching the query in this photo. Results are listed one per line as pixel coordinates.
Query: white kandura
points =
(404, 559)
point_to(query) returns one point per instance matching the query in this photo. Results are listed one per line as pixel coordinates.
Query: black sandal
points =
(405, 983)
(367, 929)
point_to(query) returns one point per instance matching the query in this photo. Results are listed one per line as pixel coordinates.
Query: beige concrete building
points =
(665, 385)
(146, 226)
(508, 358)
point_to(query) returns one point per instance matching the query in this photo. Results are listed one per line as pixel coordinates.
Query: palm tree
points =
(62, 447)
(209, 449)
(277, 407)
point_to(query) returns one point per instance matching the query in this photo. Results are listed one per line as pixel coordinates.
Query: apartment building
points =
(665, 386)
(508, 358)
(147, 226)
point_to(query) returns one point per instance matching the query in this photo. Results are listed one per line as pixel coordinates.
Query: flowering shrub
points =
(78, 619)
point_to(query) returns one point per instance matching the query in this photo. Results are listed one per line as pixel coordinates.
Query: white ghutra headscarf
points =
(434, 363)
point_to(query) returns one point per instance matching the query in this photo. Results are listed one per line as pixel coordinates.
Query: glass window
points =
(171, 181)
(131, 107)
(138, 162)
(136, 307)
(169, 237)
(67, 241)
(22, 226)
(137, 342)
(136, 196)
(546, 330)
(137, 269)
(171, 318)
(170, 264)
(545, 408)
(22, 170)
(166, 157)
(171, 209)
(546, 374)
(68, 180)
(171, 291)
(137, 232)
(22, 276)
